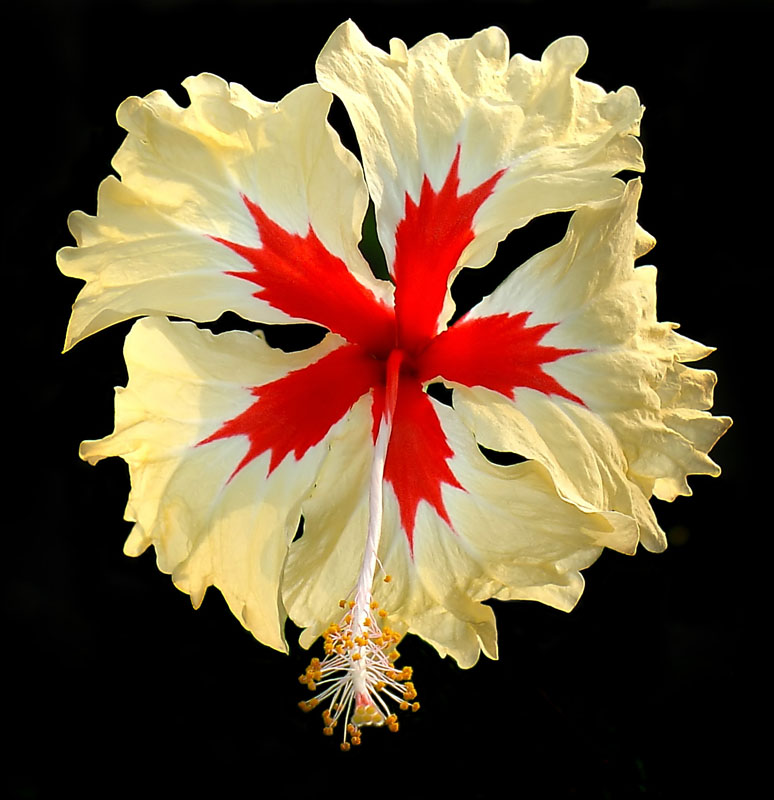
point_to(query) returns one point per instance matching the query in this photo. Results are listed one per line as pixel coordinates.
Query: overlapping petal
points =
(620, 417)
(534, 136)
(228, 169)
(218, 509)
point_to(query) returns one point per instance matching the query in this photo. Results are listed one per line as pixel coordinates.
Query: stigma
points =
(357, 679)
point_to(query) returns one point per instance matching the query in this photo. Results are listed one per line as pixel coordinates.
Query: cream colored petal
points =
(643, 426)
(208, 527)
(512, 538)
(560, 140)
(184, 173)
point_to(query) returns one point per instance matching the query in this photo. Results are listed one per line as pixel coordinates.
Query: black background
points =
(117, 687)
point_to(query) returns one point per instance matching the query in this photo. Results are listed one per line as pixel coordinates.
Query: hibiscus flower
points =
(236, 204)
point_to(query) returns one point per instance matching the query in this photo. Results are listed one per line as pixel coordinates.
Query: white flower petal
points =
(214, 518)
(511, 537)
(559, 140)
(638, 425)
(187, 175)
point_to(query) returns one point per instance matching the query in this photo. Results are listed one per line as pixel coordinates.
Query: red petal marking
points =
(497, 352)
(297, 275)
(417, 454)
(429, 241)
(295, 412)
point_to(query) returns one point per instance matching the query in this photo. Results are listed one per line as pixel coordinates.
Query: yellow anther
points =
(387, 578)
(358, 652)
(415, 707)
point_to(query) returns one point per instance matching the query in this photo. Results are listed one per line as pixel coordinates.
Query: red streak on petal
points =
(417, 454)
(429, 241)
(497, 352)
(299, 276)
(295, 412)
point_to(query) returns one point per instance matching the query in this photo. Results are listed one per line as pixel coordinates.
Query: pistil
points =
(357, 674)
